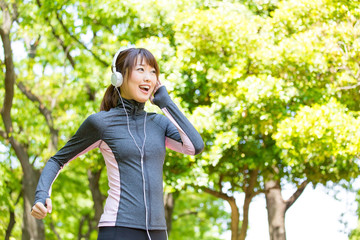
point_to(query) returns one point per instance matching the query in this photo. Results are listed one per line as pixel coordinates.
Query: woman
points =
(133, 146)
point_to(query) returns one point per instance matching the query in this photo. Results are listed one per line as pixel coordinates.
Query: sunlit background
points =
(273, 86)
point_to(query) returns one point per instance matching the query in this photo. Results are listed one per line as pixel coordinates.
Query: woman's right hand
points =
(39, 211)
(157, 86)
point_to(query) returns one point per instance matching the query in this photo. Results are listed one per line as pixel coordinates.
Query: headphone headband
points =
(116, 77)
(113, 65)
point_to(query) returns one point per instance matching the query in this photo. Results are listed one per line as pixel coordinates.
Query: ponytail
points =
(110, 99)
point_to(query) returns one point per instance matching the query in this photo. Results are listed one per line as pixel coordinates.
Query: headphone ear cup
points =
(116, 79)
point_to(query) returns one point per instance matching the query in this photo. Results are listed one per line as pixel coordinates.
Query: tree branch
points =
(96, 22)
(52, 226)
(220, 182)
(15, 13)
(5, 9)
(12, 220)
(32, 46)
(58, 38)
(216, 193)
(79, 42)
(64, 47)
(348, 70)
(252, 182)
(9, 72)
(54, 99)
(349, 87)
(3, 134)
(3, 5)
(296, 195)
(11, 224)
(33, 161)
(44, 111)
(83, 220)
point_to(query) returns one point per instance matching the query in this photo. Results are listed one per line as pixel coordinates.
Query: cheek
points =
(127, 88)
(154, 80)
(131, 82)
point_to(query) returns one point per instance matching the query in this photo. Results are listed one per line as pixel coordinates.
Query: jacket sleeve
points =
(181, 136)
(86, 138)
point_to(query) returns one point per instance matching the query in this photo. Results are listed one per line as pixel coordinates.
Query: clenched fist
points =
(39, 211)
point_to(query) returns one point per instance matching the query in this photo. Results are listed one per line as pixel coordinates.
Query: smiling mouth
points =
(144, 88)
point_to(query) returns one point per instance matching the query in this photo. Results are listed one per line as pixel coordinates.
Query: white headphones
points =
(116, 77)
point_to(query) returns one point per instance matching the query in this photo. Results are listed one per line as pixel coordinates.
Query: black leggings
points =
(124, 233)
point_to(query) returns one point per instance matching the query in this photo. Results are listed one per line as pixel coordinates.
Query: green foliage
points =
(261, 7)
(268, 84)
(198, 216)
(213, 68)
(249, 75)
(321, 143)
(10, 189)
(72, 202)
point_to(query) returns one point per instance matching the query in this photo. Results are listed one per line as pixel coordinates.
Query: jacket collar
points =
(131, 106)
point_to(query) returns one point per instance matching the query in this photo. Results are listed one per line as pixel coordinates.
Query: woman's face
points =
(140, 83)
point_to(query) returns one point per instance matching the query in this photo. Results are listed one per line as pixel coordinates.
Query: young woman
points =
(133, 145)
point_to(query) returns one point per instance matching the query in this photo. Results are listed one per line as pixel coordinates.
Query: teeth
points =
(145, 87)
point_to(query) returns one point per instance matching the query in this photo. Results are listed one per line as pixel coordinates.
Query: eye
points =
(140, 69)
(153, 71)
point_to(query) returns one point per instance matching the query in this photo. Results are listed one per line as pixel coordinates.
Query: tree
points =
(314, 70)
(32, 229)
(252, 75)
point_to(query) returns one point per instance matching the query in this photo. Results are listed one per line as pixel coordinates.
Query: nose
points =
(147, 76)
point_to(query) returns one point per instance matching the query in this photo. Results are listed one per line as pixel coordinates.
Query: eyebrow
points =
(141, 64)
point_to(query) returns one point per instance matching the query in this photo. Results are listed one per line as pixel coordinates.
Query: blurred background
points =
(273, 86)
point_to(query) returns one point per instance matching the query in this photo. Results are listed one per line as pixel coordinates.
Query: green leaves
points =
(322, 141)
(199, 216)
(269, 84)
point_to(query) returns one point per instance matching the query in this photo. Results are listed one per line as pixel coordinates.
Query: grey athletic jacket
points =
(108, 131)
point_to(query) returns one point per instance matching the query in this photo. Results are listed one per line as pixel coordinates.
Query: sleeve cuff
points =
(41, 197)
(161, 97)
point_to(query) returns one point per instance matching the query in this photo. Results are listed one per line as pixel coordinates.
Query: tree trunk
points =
(169, 203)
(12, 220)
(234, 226)
(10, 225)
(97, 196)
(234, 218)
(245, 222)
(276, 208)
(249, 195)
(32, 228)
